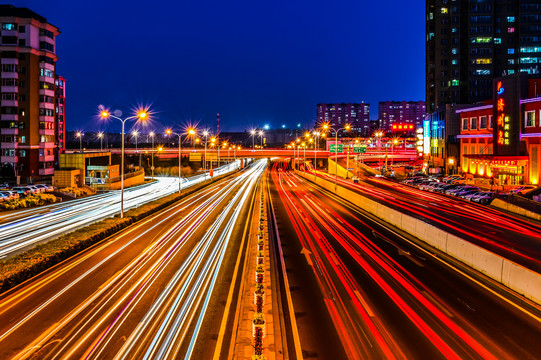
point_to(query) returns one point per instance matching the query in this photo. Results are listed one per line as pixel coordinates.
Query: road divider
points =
(514, 276)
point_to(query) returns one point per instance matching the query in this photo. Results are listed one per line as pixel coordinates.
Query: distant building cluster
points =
(33, 96)
(338, 115)
(402, 112)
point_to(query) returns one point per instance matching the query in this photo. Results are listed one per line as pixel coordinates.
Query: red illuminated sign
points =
(402, 127)
(503, 122)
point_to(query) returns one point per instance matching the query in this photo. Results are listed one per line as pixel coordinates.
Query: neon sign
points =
(503, 122)
(499, 88)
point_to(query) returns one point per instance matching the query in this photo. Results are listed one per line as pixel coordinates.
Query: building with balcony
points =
(32, 116)
(338, 115)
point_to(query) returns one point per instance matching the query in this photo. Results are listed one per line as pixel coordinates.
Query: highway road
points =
(154, 291)
(363, 291)
(25, 228)
(506, 235)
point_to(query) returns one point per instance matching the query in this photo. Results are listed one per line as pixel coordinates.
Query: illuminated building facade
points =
(32, 122)
(338, 115)
(503, 139)
(394, 112)
(468, 43)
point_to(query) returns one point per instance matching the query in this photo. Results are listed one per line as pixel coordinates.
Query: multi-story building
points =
(502, 139)
(468, 43)
(32, 122)
(338, 115)
(403, 112)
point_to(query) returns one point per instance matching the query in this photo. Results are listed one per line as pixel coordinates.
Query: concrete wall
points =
(508, 273)
(515, 209)
(341, 171)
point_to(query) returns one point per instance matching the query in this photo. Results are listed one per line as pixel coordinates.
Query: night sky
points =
(254, 62)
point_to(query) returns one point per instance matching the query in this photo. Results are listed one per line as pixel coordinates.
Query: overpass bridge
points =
(373, 155)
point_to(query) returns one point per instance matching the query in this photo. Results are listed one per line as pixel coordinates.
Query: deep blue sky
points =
(254, 62)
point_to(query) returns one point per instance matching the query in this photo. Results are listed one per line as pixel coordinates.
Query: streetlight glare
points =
(205, 133)
(191, 131)
(151, 133)
(104, 114)
(168, 131)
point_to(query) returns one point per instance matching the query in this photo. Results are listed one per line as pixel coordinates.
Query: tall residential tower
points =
(468, 43)
(32, 122)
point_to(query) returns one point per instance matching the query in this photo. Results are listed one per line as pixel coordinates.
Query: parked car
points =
(35, 189)
(522, 190)
(448, 179)
(484, 198)
(45, 187)
(472, 194)
(467, 192)
(22, 190)
(9, 194)
(459, 189)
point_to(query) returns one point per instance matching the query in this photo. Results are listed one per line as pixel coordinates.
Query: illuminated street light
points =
(100, 136)
(346, 128)
(261, 135)
(253, 137)
(142, 115)
(151, 134)
(189, 132)
(80, 136)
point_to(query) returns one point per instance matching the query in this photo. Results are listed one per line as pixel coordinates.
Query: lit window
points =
(455, 82)
(481, 72)
(510, 19)
(510, 72)
(510, 51)
(454, 51)
(510, 61)
(9, 26)
(454, 30)
(482, 122)
(511, 30)
(465, 124)
(497, 40)
(454, 62)
(530, 49)
(473, 123)
(530, 118)
(481, 40)
(483, 61)
(444, 10)
(529, 60)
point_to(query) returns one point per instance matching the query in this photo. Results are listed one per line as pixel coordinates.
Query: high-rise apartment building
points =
(468, 43)
(404, 112)
(338, 115)
(32, 122)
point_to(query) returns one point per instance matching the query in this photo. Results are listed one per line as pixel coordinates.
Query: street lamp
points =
(170, 132)
(346, 128)
(142, 115)
(316, 135)
(253, 139)
(100, 136)
(205, 134)
(151, 134)
(261, 135)
(135, 133)
(80, 136)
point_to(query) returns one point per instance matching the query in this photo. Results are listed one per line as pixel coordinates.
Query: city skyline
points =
(253, 64)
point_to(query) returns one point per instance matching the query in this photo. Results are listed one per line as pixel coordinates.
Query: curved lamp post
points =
(170, 132)
(142, 115)
(346, 128)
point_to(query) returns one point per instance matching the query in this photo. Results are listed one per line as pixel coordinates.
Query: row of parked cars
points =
(454, 186)
(21, 191)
